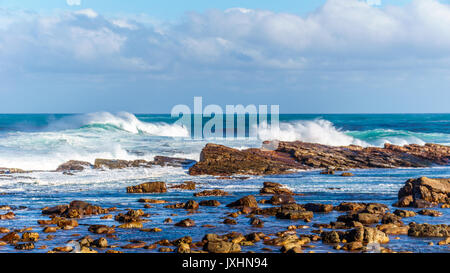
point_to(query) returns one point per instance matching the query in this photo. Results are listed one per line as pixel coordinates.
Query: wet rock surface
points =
(221, 160)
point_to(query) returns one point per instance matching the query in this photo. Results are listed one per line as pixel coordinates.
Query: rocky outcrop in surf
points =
(424, 192)
(288, 156)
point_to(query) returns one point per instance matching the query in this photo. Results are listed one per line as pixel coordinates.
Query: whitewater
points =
(43, 142)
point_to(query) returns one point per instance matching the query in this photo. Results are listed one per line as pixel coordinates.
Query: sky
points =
(322, 56)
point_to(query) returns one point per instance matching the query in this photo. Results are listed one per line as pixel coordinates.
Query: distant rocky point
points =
(290, 156)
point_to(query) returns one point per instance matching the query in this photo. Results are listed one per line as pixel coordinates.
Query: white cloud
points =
(87, 12)
(341, 35)
(73, 2)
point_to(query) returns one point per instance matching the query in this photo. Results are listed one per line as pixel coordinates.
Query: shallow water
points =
(107, 189)
(42, 142)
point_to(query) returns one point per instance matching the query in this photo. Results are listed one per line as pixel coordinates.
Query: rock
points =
(256, 222)
(364, 218)
(350, 206)
(404, 213)
(367, 235)
(390, 218)
(330, 237)
(191, 204)
(224, 161)
(316, 207)
(184, 248)
(281, 199)
(210, 203)
(149, 187)
(134, 245)
(186, 223)
(4, 230)
(8, 216)
(295, 215)
(172, 161)
(111, 164)
(347, 174)
(11, 238)
(352, 246)
(74, 165)
(129, 225)
(152, 201)
(430, 212)
(101, 229)
(100, 243)
(230, 222)
(216, 245)
(49, 229)
(393, 229)
(446, 241)
(275, 188)
(63, 249)
(424, 192)
(30, 236)
(76, 209)
(11, 170)
(427, 230)
(215, 192)
(328, 171)
(188, 185)
(247, 201)
(26, 246)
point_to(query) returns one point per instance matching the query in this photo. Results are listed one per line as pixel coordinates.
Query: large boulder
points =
(424, 192)
(76, 209)
(149, 187)
(427, 230)
(285, 156)
(367, 235)
(247, 201)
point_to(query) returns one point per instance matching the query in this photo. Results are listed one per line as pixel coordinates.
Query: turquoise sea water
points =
(42, 142)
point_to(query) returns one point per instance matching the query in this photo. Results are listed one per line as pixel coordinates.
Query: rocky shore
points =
(271, 218)
(358, 227)
(288, 156)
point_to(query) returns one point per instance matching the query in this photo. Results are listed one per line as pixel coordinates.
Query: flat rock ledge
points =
(220, 160)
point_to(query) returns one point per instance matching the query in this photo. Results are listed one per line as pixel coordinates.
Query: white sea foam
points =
(315, 131)
(122, 120)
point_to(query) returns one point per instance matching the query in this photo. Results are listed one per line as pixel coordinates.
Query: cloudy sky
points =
(335, 56)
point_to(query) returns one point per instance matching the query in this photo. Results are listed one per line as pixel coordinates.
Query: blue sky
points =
(334, 56)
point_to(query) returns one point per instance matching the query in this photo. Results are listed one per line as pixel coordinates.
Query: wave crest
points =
(314, 131)
(122, 121)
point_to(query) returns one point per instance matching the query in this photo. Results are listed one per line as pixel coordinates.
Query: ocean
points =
(41, 142)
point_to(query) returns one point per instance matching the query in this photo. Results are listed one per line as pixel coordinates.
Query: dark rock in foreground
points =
(221, 160)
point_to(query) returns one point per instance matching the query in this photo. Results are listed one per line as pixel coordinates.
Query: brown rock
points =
(430, 212)
(74, 165)
(149, 187)
(215, 192)
(424, 192)
(224, 161)
(188, 185)
(281, 199)
(316, 207)
(275, 188)
(185, 223)
(427, 230)
(247, 201)
(210, 203)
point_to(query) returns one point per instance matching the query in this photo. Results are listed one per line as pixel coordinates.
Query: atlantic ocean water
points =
(41, 142)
